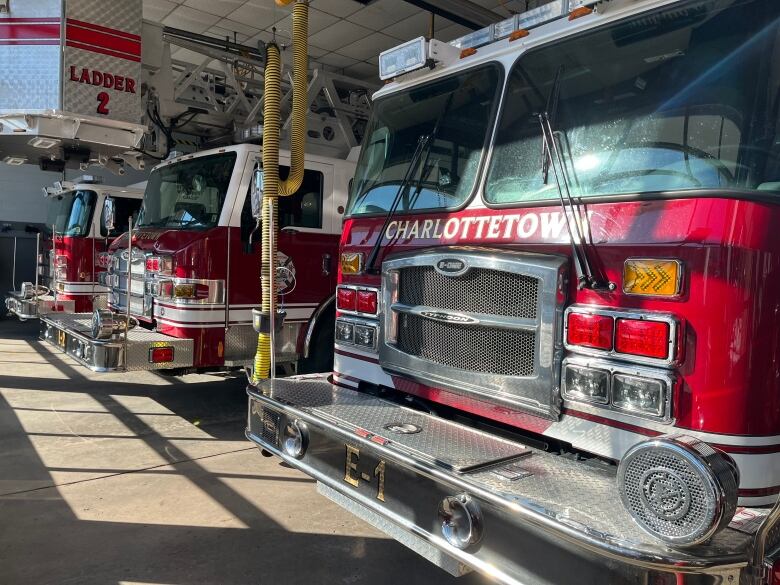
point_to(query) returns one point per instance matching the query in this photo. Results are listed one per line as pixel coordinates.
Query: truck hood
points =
(163, 241)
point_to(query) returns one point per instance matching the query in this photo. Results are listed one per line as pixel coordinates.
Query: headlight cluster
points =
(634, 390)
(359, 334)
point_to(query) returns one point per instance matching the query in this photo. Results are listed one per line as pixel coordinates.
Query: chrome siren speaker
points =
(678, 488)
(105, 323)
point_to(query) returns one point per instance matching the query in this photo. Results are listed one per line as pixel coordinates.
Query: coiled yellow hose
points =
(272, 187)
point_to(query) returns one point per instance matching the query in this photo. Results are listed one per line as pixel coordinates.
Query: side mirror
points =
(109, 214)
(256, 193)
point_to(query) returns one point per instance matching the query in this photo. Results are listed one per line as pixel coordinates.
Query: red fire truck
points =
(67, 277)
(556, 354)
(193, 268)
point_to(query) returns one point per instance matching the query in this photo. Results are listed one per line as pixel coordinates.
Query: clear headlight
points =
(295, 438)
(582, 383)
(636, 394)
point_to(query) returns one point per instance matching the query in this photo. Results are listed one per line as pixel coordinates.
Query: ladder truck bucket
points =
(71, 91)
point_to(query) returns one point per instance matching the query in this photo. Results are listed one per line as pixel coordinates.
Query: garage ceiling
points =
(344, 35)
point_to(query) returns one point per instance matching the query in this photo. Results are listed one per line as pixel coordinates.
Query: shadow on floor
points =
(201, 506)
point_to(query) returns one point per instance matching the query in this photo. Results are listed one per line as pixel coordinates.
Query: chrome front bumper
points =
(26, 308)
(71, 333)
(546, 519)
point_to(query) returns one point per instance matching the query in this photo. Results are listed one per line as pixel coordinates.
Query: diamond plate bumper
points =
(547, 519)
(26, 308)
(71, 334)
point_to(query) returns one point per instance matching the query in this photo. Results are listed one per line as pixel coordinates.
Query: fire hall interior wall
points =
(21, 189)
(24, 208)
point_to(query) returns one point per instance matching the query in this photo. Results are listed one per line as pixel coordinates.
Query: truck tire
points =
(321, 351)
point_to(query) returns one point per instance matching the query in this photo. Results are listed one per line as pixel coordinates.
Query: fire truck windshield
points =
(453, 157)
(187, 194)
(684, 98)
(71, 213)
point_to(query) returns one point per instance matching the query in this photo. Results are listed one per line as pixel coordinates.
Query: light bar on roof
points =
(542, 14)
(403, 58)
(477, 38)
(528, 19)
(415, 55)
(505, 28)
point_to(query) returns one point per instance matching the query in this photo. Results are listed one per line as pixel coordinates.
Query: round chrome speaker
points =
(678, 488)
(102, 324)
(105, 323)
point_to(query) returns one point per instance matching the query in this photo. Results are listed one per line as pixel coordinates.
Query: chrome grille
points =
(477, 322)
(140, 303)
(506, 352)
(480, 290)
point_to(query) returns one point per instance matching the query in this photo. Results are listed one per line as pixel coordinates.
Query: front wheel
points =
(321, 349)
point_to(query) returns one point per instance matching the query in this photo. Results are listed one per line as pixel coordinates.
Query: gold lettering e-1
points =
(353, 456)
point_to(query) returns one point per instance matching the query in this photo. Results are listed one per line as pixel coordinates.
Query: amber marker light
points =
(351, 262)
(580, 12)
(518, 34)
(652, 277)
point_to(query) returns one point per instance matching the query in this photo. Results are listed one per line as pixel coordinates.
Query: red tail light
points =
(161, 355)
(161, 264)
(346, 299)
(590, 330)
(367, 301)
(643, 338)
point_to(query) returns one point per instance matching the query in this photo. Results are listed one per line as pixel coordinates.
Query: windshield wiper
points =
(552, 158)
(423, 145)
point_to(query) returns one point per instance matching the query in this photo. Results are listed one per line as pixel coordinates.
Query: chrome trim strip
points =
(492, 321)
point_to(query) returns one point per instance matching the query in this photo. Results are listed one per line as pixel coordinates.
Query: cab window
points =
(303, 209)
(125, 209)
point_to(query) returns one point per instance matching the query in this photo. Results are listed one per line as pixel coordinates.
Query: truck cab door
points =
(308, 243)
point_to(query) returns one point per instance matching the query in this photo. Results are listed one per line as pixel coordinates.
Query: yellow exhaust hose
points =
(272, 186)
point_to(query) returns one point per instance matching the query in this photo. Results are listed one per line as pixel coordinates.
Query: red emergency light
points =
(161, 355)
(589, 330)
(642, 337)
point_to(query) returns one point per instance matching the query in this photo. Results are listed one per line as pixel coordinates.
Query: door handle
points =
(326, 264)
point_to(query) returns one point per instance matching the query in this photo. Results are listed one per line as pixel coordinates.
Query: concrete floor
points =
(137, 478)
